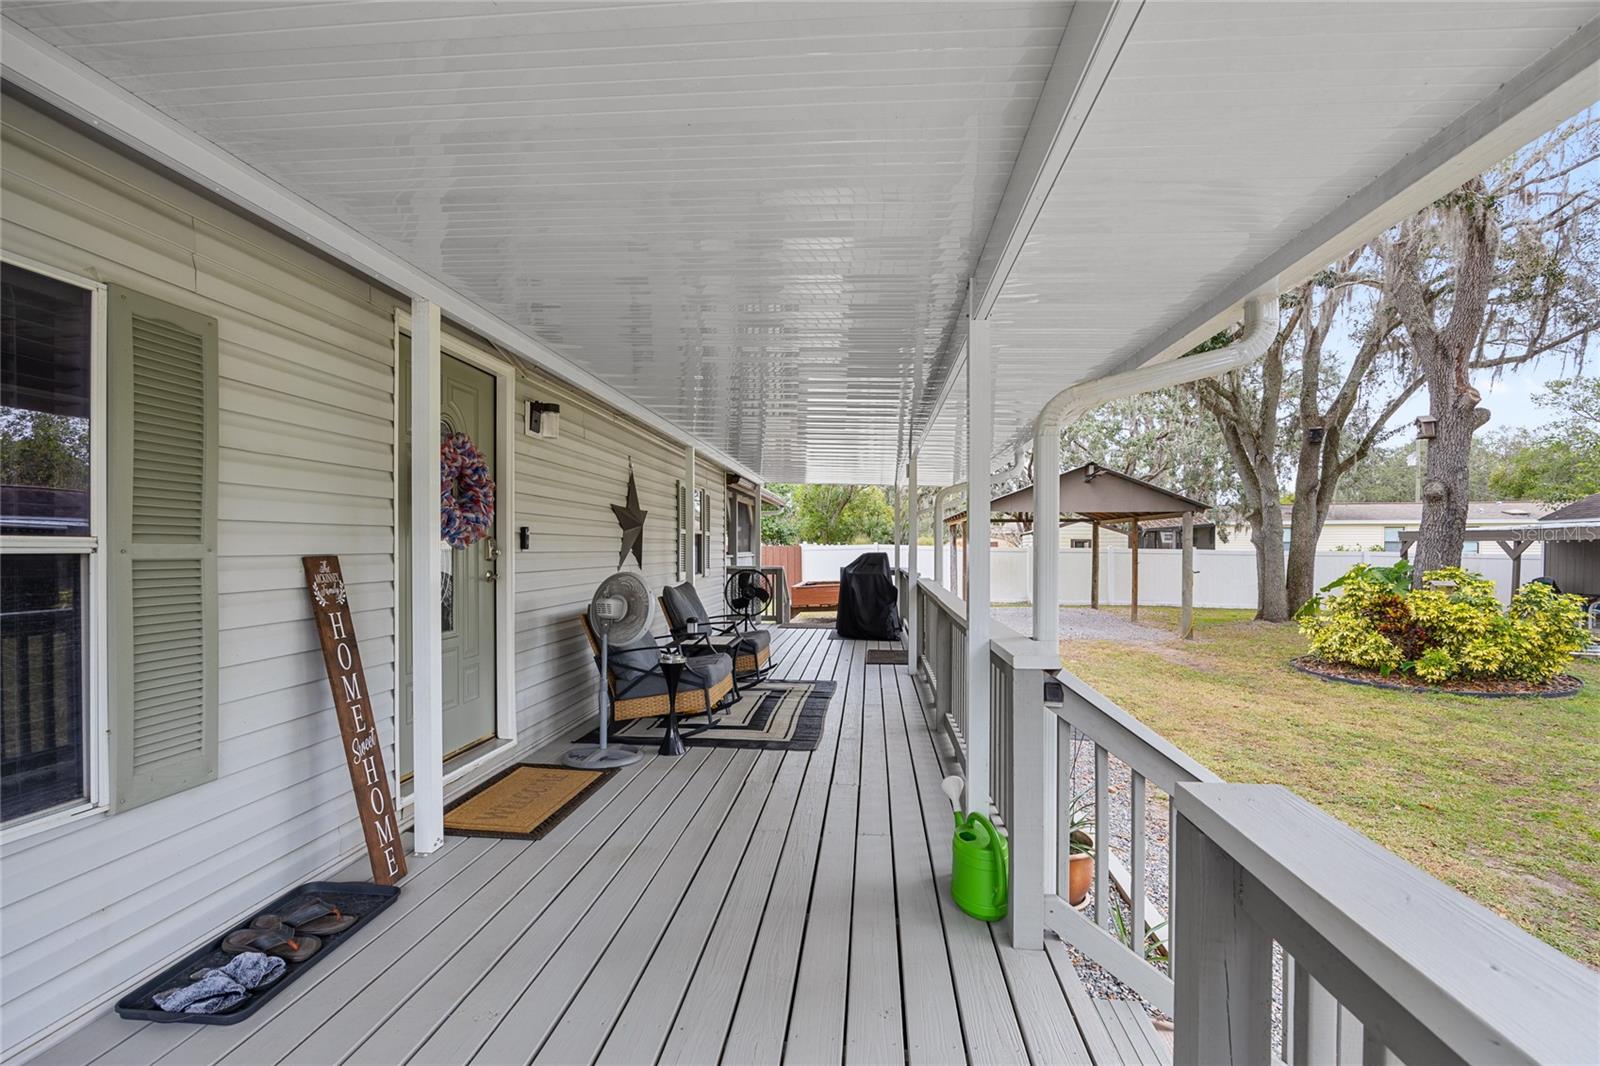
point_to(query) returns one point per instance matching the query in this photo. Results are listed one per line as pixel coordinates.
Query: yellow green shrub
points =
(1452, 627)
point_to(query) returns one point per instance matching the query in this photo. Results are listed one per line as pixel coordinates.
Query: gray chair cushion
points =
(705, 671)
(683, 603)
(627, 660)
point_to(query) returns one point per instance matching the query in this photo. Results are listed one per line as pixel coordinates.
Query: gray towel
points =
(225, 988)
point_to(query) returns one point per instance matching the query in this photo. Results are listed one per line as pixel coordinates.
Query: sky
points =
(1509, 399)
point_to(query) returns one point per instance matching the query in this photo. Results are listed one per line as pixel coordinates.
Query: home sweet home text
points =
(363, 753)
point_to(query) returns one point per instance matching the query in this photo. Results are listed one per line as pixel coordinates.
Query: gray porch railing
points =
(778, 608)
(1129, 934)
(942, 646)
(1381, 963)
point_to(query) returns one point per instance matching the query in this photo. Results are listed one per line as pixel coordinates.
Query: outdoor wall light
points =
(543, 419)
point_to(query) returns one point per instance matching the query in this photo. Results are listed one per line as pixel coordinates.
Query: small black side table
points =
(672, 664)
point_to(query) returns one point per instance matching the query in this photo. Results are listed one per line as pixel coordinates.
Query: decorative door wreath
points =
(466, 492)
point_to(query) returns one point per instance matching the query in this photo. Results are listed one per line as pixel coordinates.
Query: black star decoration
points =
(631, 519)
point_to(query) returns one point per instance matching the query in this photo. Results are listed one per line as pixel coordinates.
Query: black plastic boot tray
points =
(351, 897)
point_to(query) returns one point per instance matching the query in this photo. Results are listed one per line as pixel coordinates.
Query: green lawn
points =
(1497, 797)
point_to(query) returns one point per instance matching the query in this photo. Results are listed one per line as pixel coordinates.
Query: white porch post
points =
(427, 639)
(913, 567)
(980, 446)
(1046, 527)
(895, 501)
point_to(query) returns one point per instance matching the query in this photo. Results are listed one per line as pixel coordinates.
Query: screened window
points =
(702, 534)
(47, 545)
(744, 527)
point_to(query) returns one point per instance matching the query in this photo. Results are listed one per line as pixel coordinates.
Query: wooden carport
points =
(1091, 493)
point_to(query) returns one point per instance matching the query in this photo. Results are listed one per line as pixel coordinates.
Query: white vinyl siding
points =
(712, 480)
(564, 492)
(304, 466)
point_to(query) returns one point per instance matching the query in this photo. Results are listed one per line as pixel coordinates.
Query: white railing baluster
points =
(1064, 796)
(1313, 1025)
(1102, 839)
(1172, 879)
(1136, 862)
(1351, 1037)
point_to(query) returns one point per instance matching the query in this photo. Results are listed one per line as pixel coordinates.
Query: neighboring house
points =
(1573, 561)
(1369, 526)
(1154, 533)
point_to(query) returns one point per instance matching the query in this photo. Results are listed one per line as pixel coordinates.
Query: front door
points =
(467, 594)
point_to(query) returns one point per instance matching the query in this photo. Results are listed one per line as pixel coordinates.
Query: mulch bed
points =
(1561, 685)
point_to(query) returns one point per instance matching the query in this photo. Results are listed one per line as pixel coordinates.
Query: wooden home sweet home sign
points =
(363, 752)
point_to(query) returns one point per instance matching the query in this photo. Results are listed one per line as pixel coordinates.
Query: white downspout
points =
(1260, 329)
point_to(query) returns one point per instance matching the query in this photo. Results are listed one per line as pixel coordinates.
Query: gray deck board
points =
(1096, 1037)
(817, 1018)
(760, 1021)
(732, 905)
(475, 1020)
(932, 1017)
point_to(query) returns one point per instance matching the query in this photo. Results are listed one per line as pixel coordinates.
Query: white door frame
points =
(505, 375)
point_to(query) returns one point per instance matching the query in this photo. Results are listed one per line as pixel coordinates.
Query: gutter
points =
(1260, 329)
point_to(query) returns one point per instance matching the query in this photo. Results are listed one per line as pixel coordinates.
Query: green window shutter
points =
(161, 377)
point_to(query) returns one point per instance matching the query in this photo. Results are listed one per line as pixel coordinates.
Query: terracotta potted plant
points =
(1080, 867)
(1080, 852)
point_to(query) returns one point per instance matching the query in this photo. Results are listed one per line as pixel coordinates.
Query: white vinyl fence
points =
(1222, 578)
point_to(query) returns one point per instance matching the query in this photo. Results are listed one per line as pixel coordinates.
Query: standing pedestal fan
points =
(620, 609)
(747, 593)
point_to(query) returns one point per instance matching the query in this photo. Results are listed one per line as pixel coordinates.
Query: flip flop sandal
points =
(311, 915)
(328, 924)
(283, 941)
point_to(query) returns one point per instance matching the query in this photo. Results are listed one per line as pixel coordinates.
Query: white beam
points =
(427, 637)
(1094, 35)
(980, 446)
(61, 81)
(913, 570)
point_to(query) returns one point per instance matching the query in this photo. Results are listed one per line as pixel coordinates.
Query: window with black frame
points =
(47, 544)
(702, 530)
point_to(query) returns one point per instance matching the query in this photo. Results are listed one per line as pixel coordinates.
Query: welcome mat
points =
(886, 657)
(523, 802)
(776, 716)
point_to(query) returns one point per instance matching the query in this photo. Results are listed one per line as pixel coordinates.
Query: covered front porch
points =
(730, 904)
(726, 244)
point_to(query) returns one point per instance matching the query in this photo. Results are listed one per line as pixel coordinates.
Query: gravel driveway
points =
(1084, 623)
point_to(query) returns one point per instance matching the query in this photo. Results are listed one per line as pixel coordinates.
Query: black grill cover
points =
(868, 604)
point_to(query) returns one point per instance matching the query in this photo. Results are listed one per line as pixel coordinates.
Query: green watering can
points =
(979, 860)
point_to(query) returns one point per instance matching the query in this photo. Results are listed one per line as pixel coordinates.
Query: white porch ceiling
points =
(750, 217)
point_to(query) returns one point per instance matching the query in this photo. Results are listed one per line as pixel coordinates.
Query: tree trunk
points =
(1446, 487)
(1304, 529)
(1272, 603)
